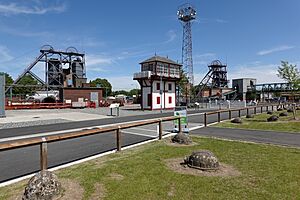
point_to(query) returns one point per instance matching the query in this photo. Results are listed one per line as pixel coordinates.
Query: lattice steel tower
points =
(186, 13)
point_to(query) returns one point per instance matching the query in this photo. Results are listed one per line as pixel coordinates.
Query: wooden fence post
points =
(229, 114)
(43, 155)
(179, 125)
(267, 108)
(261, 109)
(247, 111)
(160, 129)
(205, 119)
(118, 132)
(255, 110)
(219, 116)
(239, 113)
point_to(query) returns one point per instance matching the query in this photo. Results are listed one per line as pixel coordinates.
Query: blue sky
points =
(251, 36)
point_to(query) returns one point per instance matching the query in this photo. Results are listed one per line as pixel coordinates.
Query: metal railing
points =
(43, 141)
(269, 107)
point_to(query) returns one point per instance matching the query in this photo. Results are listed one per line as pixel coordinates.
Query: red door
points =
(149, 100)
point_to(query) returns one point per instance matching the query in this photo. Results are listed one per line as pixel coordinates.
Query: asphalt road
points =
(14, 132)
(269, 137)
(20, 162)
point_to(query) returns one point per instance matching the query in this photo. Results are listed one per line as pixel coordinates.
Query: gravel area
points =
(32, 123)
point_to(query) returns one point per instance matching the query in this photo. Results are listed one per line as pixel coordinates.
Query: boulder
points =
(273, 118)
(249, 116)
(236, 120)
(43, 186)
(204, 160)
(182, 138)
(270, 112)
(283, 114)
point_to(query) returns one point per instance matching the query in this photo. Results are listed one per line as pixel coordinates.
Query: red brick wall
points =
(85, 93)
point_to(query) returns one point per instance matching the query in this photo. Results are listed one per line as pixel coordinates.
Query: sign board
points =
(94, 98)
(2, 94)
(182, 112)
(114, 105)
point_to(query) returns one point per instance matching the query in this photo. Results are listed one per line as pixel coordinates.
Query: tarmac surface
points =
(19, 162)
(266, 137)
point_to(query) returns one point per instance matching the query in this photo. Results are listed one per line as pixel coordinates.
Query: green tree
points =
(8, 79)
(118, 92)
(134, 92)
(26, 80)
(104, 83)
(289, 73)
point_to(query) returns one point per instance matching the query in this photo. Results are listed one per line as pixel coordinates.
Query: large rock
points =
(283, 114)
(182, 138)
(273, 118)
(279, 109)
(270, 113)
(236, 120)
(43, 186)
(204, 160)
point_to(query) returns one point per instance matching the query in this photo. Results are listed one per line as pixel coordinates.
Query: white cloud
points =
(276, 49)
(24, 33)
(98, 60)
(4, 54)
(15, 9)
(123, 82)
(203, 59)
(208, 20)
(264, 73)
(171, 36)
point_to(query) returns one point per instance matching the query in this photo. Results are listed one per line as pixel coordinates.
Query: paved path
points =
(278, 138)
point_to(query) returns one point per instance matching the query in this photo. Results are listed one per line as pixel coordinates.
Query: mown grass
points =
(267, 172)
(259, 122)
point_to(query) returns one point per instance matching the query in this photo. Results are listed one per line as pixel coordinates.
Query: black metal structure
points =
(216, 77)
(272, 87)
(186, 14)
(61, 68)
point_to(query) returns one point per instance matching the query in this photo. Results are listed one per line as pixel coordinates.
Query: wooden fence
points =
(270, 107)
(43, 141)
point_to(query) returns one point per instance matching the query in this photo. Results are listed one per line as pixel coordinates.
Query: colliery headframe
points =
(62, 69)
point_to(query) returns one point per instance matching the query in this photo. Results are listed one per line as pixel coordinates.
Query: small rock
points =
(249, 116)
(43, 186)
(273, 118)
(270, 113)
(236, 120)
(283, 114)
(182, 138)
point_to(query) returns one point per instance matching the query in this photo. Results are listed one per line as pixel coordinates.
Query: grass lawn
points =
(267, 172)
(259, 122)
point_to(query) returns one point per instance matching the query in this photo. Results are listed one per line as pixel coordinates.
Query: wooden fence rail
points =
(43, 141)
(219, 112)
